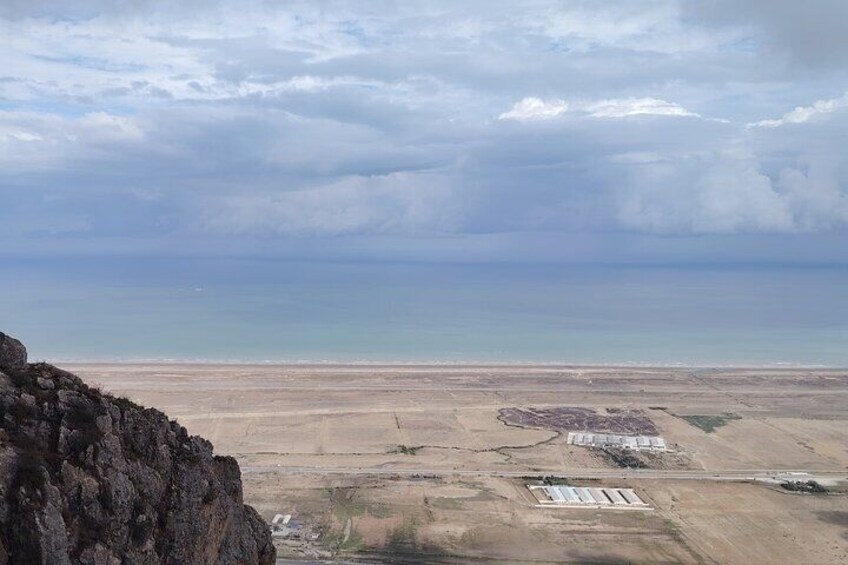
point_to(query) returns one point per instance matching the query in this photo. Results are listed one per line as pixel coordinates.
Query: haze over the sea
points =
(548, 180)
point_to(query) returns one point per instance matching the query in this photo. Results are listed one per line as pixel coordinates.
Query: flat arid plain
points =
(429, 464)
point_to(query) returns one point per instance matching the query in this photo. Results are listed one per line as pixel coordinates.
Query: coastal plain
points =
(418, 463)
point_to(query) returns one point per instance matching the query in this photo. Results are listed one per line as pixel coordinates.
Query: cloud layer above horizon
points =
(313, 119)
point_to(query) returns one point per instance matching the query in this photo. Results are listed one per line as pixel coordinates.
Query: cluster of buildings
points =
(636, 443)
(565, 495)
(283, 526)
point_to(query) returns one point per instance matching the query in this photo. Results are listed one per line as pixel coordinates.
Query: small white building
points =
(281, 519)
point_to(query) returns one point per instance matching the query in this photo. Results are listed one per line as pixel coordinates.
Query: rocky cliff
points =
(89, 478)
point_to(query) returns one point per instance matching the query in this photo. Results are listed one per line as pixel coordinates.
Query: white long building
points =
(587, 497)
(636, 443)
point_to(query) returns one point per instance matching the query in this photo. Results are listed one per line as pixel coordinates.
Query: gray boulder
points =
(13, 354)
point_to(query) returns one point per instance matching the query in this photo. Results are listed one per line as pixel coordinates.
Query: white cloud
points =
(537, 109)
(815, 198)
(803, 114)
(730, 194)
(18, 135)
(31, 140)
(729, 197)
(532, 108)
(111, 127)
(623, 107)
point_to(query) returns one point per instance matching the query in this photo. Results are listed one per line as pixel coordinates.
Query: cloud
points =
(815, 197)
(622, 108)
(731, 193)
(395, 203)
(532, 108)
(811, 38)
(31, 141)
(653, 27)
(298, 120)
(803, 114)
(728, 197)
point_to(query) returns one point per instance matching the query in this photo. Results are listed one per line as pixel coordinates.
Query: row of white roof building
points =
(565, 495)
(637, 443)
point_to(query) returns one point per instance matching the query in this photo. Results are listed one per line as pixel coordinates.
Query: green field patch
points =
(403, 538)
(407, 449)
(379, 510)
(345, 502)
(446, 503)
(710, 423)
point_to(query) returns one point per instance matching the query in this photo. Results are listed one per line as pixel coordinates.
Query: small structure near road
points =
(281, 520)
(587, 497)
(298, 540)
(284, 526)
(635, 443)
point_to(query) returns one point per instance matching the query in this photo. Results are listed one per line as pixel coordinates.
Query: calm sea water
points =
(265, 310)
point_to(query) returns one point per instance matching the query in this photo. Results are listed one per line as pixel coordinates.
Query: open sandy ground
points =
(417, 459)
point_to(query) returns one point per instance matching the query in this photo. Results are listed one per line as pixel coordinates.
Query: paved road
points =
(651, 474)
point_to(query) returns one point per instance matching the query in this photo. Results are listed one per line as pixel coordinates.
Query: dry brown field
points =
(412, 463)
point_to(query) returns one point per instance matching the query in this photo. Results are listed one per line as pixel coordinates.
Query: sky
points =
(616, 131)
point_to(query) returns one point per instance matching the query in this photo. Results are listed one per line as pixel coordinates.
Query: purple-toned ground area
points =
(572, 419)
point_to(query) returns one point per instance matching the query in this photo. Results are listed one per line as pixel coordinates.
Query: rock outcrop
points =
(89, 478)
(13, 354)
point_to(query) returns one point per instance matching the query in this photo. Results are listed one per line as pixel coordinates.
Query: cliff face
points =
(89, 478)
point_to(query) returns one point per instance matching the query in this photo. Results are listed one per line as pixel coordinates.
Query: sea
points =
(263, 310)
